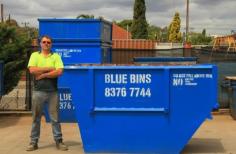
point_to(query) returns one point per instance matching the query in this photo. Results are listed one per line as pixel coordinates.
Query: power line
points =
(220, 28)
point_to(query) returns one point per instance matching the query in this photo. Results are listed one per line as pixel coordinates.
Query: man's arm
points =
(40, 70)
(51, 74)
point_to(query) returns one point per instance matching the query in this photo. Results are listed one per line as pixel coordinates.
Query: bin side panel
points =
(131, 89)
(70, 30)
(192, 98)
(79, 54)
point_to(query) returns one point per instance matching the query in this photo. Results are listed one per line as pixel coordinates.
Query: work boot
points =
(61, 146)
(32, 146)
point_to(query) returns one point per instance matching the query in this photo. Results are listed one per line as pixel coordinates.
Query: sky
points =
(216, 16)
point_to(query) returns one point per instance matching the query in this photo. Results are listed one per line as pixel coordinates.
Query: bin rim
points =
(164, 59)
(48, 19)
(81, 66)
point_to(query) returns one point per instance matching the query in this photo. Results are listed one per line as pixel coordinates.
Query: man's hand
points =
(40, 70)
(41, 76)
(51, 74)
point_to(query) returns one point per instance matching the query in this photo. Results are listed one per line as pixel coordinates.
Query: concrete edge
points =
(16, 113)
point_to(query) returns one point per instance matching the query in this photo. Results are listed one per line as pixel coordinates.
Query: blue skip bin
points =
(141, 109)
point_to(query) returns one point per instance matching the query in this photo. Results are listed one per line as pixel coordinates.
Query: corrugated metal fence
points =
(123, 51)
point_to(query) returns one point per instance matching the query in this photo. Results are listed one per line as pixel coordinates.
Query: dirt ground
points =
(214, 136)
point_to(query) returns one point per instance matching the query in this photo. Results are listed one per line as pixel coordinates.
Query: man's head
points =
(46, 43)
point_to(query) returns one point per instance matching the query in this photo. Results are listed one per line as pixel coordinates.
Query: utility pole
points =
(28, 93)
(187, 21)
(2, 13)
(25, 24)
(127, 29)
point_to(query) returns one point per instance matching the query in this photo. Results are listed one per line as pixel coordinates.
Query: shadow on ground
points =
(203, 145)
(68, 143)
(8, 120)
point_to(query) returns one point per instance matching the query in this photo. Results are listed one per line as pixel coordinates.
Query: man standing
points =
(46, 67)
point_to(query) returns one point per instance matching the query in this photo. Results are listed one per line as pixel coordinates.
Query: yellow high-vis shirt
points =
(52, 60)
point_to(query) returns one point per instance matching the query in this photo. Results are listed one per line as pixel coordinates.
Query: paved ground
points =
(215, 136)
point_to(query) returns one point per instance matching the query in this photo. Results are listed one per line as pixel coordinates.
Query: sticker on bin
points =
(133, 91)
(127, 90)
(65, 98)
(66, 107)
(188, 79)
(66, 53)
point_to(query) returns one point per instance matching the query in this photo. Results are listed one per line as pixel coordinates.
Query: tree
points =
(164, 34)
(174, 29)
(139, 24)
(124, 23)
(154, 32)
(200, 38)
(85, 16)
(13, 48)
(204, 32)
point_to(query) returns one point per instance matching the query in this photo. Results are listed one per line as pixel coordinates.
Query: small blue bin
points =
(232, 100)
(225, 93)
(231, 80)
(141, 109)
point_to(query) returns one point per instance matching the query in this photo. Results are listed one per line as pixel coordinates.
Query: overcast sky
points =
(217, 16)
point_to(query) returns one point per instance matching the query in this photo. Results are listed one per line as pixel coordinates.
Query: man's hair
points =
(45, 36)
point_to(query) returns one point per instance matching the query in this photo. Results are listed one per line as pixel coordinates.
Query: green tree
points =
(124, 23)
(154, 32)
(174, 34)
(139, 24)
(85, 16)
(164, 34)
(200, 38)
(204, 32)
(13, 48)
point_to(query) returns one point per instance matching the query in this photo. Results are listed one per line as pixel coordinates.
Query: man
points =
(46, 67)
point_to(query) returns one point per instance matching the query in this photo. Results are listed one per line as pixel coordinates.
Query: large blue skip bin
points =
(141, 109)
(76, 29)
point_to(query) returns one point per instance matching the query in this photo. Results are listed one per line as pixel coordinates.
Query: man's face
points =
(46, 44)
